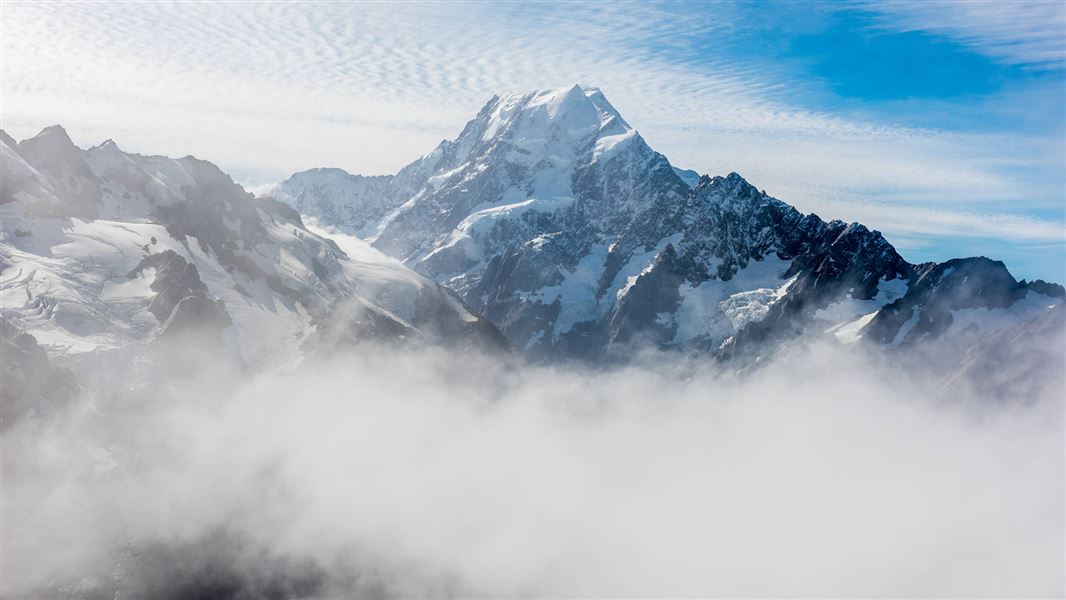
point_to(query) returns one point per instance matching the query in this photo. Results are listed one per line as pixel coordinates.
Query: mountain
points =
(1015, 362)
(548, 224)
(103, 251)
(551, 216)
(349, 202)
(33, 386)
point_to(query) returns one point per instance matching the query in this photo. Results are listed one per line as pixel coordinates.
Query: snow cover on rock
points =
(104, 250)
(551, 215)
(548, 216)
(349, 202)
(960, 297)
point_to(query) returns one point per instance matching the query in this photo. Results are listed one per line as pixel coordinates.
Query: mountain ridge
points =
(104, 252)
(548, 225)
(548, 210)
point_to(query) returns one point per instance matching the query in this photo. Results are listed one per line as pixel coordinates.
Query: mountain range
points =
(547, 227)
(552, 217)
(105, 253)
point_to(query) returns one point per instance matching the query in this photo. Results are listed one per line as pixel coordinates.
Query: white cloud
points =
(932, 222)
(268, 89)
(1023, 32)
(438, 476)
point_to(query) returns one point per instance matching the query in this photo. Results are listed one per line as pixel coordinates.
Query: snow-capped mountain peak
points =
(108, 146)
(52, 144)
(52, 132)
(552, 216)
(576, 112)
(102, 250)
(557, 152)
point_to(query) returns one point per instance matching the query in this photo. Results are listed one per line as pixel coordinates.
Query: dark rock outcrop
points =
(181, 304)
(32, 385)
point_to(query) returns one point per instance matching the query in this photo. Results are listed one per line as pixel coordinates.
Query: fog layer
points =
(427, 474)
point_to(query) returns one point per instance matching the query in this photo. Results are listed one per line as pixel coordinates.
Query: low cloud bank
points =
(394, 473)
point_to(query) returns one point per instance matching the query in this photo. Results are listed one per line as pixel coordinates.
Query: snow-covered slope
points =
(553, 217)
(348, 202)
(103, 250)
(974, 295)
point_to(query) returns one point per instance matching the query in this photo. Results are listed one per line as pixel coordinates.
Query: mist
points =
(427, 473)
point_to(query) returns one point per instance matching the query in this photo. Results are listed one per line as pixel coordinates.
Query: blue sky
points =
(939, 123)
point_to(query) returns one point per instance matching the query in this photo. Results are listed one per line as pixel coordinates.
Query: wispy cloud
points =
(1022, 32)
(933, 222)
(268, 89)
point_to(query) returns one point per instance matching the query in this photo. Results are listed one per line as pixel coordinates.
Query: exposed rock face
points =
(32, 385)
(77, 191)
(940, 291)
(548, 217)
(181, 303)
(102, 250)
(551, 216)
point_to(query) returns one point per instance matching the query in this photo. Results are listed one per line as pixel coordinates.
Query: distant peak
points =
(732, 181)
(53, 130)
(53, 138)
(972, 262)
(108, 145)
(327, 171)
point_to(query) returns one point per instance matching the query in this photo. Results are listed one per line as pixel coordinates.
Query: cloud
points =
(387, 473)
(931, 222)
(269, 89)
(1028, 33)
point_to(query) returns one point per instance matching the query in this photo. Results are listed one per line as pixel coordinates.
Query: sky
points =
(941, 124)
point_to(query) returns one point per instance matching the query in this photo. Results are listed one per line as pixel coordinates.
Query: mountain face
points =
(103, 250)
(552, 217)
(351, 202)
(547, 224)
(32, 385)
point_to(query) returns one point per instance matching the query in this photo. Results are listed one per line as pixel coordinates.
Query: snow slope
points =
(103, 250)
(551, 215)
